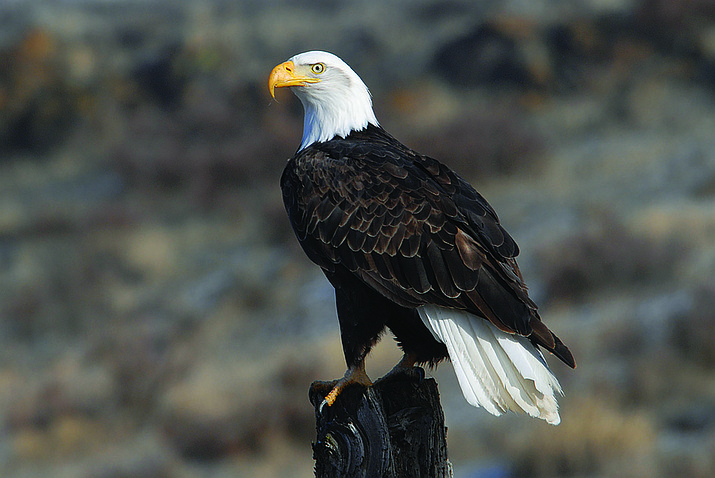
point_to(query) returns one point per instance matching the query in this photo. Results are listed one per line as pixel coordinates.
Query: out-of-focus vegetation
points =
(157, 318)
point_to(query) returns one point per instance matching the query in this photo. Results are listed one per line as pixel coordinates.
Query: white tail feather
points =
(496, 370)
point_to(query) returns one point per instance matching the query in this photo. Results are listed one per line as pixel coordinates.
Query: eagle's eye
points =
(318, 68)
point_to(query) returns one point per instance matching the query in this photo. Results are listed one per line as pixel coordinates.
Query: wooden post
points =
(393, 429)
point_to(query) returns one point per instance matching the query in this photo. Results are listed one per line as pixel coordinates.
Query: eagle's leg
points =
(361, 315)
(406, 365)
(356, 345)
(408, 361)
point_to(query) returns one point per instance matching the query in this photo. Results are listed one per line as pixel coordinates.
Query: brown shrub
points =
(605, 256)
(692, 335)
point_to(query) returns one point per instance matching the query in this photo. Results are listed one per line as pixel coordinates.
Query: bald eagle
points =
(410, 245)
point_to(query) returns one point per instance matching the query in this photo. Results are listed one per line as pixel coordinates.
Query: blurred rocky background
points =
(157, 318)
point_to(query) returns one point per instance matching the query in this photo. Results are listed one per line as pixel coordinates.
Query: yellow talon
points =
(332, 396)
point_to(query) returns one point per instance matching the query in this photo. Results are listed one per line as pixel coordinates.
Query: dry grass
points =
(598, 440)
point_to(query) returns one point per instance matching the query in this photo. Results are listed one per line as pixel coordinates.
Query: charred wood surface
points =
(392, 429)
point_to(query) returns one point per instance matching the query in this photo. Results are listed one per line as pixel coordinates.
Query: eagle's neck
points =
(336, 112)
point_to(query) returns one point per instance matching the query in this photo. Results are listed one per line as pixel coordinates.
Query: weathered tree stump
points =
(393, 429)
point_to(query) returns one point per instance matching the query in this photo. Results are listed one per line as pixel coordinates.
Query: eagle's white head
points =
(335, 99)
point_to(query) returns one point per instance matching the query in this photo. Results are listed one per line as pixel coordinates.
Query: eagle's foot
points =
(354, 375)
(406, 366)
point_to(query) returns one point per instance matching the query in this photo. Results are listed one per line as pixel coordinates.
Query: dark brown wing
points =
(410, 228)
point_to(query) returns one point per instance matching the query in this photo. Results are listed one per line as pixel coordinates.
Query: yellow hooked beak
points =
(285, 75)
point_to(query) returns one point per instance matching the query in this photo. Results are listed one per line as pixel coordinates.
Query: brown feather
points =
(468, 250)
